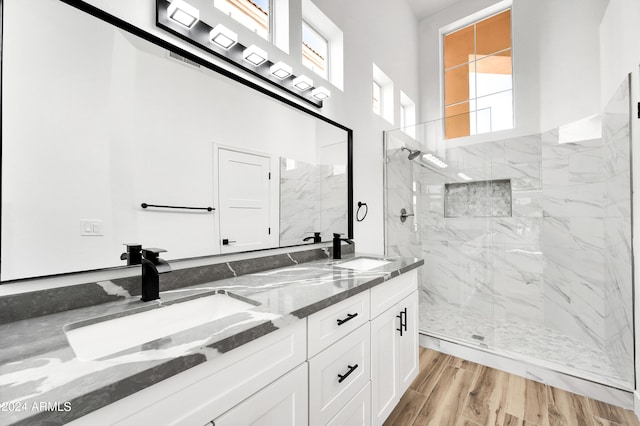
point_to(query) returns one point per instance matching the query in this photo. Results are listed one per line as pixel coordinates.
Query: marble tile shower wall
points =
(401, 238)
(562, 261)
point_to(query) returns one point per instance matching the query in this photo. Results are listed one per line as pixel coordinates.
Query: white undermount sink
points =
(113, 335)
(363, 264)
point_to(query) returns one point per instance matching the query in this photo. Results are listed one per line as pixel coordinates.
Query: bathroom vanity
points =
(323, 342)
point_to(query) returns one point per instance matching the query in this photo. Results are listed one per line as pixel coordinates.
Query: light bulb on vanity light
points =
(281, 70)
(183, 13)
(254, 55)
(320, 93)
(223, 37)
(302, 82)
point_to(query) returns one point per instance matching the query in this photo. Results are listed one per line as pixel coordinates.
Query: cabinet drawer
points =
(388, 294)
(282, 403)
(337, 374)
(357, 412)
(333, 323)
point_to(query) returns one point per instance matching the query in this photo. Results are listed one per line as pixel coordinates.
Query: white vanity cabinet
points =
(347, 364)
(394, 343)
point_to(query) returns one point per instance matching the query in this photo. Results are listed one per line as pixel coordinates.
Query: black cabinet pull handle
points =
(352, 368)
(348, 318)
(401, 324)
(405, 318)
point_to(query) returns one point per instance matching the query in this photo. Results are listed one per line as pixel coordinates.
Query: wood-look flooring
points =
(452, 391)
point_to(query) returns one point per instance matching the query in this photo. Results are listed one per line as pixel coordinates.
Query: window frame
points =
(270, 22)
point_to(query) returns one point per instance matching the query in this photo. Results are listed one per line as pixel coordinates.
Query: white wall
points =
(555, 62)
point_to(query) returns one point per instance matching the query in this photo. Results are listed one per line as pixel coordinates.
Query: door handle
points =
(348, 318)
(403, 321)
(352, 368)
(226, 242)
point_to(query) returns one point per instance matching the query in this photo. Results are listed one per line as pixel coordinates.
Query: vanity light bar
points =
(435, 160)
(223, 37)
(183, 13)
(281, 70)
(320, 93)
(463, 176)
(254, 55)
(302, 82)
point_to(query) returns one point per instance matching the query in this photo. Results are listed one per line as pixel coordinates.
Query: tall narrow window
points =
(315, 51)
(253, 14)
(478, 77)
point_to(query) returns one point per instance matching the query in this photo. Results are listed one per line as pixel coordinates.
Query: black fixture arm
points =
(145, 205)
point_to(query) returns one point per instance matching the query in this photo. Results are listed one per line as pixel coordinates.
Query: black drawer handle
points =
(352, 368)
(348, 318)
(403, 321)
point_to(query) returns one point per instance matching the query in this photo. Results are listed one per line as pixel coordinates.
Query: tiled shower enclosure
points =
(526, 242)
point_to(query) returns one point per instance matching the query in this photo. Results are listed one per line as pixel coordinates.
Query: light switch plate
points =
(90, 228)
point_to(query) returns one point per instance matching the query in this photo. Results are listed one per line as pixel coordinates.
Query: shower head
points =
(412, 153)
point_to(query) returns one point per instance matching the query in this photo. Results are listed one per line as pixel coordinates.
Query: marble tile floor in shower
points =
(518, 340)
(452, 391)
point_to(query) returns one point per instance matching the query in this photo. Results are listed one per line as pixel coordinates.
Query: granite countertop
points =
(37, 365)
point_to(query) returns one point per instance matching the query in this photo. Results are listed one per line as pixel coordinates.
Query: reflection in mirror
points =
(97, 121)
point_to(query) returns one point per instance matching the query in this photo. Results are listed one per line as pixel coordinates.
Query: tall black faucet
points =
(337, 250)
(133, 256)
(316, 238)
(152, 267)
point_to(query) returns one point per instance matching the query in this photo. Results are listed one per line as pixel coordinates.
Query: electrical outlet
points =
(90, 228)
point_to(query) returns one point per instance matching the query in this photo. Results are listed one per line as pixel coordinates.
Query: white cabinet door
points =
(384, 380)
(282, 403)
(243, 199)
(408, 359)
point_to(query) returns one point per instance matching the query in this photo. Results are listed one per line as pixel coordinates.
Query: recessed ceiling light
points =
(302, 82)
(320, 93)
(435, 160)
(281, 70)
(463, 176)
(223, 36)
(253, 54)
(183, 13)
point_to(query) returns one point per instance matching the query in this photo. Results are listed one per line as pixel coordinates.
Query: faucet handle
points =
(151, 254)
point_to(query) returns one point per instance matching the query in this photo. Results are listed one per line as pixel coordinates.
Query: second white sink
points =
(113, 335)
(363, 264)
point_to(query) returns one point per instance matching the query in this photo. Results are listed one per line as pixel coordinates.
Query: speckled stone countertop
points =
(37, 365)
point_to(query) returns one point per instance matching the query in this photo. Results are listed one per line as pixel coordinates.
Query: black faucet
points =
(152, 267)
(133, 256)
(316, 238)
(337, 250)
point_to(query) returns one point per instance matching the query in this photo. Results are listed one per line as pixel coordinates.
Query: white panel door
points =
(408, 345)
(384, 381)
(243, 200)
(282, 403)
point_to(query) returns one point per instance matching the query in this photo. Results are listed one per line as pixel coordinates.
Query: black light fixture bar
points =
(198, 35)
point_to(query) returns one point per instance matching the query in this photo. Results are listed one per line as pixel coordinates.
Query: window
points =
(407, 115)
(478, 77)
(253, 14)
(377, 98)
(382, 95)
(322, 45)
(315, 51)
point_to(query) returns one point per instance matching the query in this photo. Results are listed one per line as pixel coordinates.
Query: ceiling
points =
(424, 8)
